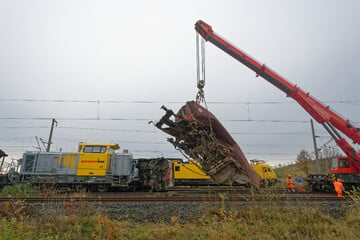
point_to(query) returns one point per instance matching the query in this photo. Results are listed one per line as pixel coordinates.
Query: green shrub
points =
(18, 190)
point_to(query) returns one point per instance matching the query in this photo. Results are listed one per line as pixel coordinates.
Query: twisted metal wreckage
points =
(203, 138)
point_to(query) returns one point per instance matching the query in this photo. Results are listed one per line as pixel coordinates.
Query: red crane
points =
(347, 168)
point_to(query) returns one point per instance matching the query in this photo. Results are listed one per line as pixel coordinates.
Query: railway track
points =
(185, 198)
(237, 189)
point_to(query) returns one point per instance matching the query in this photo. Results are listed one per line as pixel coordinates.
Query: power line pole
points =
(315, 148)
(2, 156)
(51, 133)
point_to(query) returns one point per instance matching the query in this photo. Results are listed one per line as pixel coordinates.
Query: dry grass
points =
(252, 222)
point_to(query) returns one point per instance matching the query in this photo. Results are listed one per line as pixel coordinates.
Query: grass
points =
(248, 223)
(255, 223)
(19, 190)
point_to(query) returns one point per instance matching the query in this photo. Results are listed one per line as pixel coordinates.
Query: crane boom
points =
(321, 113)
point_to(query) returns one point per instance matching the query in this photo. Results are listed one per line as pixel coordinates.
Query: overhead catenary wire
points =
(148, 119)
(100, 102)
(97, 101)
(153, 131)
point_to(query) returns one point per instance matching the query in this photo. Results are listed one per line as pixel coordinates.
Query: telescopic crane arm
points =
(321, 113)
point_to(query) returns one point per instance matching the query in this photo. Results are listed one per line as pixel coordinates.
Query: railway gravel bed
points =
(186, 198)
(182, 211)
(162, 207)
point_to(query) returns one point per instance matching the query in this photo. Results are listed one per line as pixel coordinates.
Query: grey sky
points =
(111, 55)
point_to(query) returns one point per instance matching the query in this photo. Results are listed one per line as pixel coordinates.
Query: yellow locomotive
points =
(95, 167)
(265, 171)
(190, 173)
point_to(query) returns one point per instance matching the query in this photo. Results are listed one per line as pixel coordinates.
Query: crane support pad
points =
(199, 135)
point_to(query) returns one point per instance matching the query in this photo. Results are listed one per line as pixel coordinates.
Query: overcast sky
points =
(103, 69)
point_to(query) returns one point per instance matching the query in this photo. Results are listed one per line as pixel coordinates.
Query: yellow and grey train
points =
(95, 167)
(190, 173)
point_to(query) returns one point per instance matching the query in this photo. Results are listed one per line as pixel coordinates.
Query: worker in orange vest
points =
(338, 187)
(290, 183)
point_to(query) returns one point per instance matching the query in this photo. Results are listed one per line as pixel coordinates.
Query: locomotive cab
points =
(94, 159)
(266, 173)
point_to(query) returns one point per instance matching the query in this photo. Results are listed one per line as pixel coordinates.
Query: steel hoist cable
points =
(200, 64)
(200, 67)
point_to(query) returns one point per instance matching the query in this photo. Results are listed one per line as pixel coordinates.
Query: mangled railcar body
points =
(155, 173)
(200, 136)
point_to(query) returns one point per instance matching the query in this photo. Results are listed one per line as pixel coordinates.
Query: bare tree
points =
(303, 161)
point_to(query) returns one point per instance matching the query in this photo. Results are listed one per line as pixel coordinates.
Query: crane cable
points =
(200, 63)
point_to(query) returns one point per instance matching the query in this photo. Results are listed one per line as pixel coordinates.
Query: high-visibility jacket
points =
(290, 182)
(338, 186)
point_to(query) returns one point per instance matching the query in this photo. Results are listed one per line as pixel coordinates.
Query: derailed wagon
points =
(200, 136)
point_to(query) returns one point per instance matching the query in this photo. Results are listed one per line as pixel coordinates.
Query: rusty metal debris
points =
(203, 138)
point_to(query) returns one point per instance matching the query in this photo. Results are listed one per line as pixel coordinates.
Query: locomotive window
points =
(266, 169)
(177, 168)
(94, 149)
(98, 149)
(88, 149)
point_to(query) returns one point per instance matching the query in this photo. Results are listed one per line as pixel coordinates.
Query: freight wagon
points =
(95, 167)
